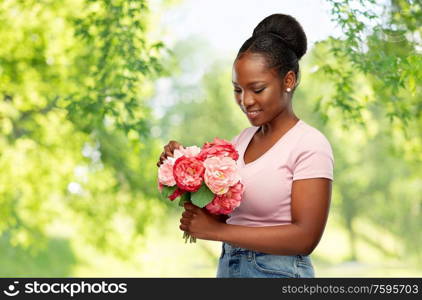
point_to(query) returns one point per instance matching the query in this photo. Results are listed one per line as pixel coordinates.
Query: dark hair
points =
(281, 39)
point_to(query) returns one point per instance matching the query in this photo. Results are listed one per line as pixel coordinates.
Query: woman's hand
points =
(168, 151)
(199, 223)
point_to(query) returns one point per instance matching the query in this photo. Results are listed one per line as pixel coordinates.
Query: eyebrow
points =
(250, 83)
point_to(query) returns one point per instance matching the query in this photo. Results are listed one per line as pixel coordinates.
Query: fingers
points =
(162, 159)
(187, 214)
(191, 208)
(186, 217)
(175, 145)
(168, 151)
(185, 223)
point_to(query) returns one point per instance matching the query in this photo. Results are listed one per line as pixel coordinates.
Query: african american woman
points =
(286, 165)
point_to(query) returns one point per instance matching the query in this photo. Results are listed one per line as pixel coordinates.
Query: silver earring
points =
(288, 90)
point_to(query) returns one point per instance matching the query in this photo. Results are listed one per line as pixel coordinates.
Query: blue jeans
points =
(241, 262)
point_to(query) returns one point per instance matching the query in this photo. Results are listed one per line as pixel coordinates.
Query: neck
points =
(281, 123)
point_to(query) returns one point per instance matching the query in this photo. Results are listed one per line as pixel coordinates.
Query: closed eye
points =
(256, 92)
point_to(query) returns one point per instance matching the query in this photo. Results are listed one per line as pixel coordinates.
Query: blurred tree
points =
(204, 110)
(74, 126)
(382, 41)
(376, 178)
(374, 72)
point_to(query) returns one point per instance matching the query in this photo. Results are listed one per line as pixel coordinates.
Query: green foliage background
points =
(79, 139)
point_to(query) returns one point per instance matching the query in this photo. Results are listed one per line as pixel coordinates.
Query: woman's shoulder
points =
(312, 137)
(312, 155)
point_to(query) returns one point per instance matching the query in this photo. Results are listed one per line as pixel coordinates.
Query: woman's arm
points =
(309, 208)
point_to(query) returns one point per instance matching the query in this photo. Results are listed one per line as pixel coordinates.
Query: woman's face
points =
(258, 91)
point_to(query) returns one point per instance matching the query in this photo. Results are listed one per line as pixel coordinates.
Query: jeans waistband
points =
(232, 249)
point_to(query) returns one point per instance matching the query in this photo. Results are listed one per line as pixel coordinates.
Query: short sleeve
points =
(314, 158)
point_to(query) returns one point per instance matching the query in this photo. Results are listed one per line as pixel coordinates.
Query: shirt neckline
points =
(282, 138)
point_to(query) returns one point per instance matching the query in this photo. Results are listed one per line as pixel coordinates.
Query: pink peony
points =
(165, 173)
(226, 203)
(220, 174)
(218, 147)
(190, 151)
(188, 172)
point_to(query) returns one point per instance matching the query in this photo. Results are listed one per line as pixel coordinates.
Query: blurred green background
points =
(92, 90)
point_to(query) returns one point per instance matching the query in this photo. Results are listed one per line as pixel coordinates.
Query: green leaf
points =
(168, 190)
(184, 198)
(202, 197)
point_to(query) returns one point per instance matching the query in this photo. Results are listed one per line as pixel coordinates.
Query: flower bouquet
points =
(206, 177)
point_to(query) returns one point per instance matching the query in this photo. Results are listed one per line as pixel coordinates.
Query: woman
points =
(285, 164)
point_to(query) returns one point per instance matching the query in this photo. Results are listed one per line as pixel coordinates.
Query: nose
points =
(246, 100)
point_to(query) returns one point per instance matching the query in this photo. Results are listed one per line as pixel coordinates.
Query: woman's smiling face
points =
(258, 90)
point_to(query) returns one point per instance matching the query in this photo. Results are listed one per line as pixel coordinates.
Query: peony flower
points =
(214, 164)
(190, 151)
(218, 147)
(188, 173)
(220, 174)
(226, 203)
(165, 172)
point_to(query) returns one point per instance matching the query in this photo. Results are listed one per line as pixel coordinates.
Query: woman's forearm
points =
(287, 239)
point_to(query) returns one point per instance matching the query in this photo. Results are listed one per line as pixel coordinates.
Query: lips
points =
(253, 113)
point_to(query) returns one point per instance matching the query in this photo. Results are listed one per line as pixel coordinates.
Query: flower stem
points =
(187, 237)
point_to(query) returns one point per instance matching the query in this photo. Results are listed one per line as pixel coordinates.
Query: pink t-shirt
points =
(302, 152)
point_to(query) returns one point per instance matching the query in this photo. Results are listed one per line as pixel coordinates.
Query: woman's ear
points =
(289, 81)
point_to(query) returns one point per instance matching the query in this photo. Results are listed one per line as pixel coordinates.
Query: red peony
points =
(177, 192)
(188, 173)
(226, 203)
(218, 147)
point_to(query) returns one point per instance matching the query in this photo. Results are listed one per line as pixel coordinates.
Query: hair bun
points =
(287, 29)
